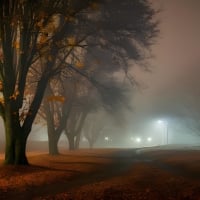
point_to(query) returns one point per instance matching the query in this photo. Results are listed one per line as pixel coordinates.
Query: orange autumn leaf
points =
(2, 100)
(71, 41)
(79, 65)
(56, 98)
(1, 86)
(16, 45)
(43, 38)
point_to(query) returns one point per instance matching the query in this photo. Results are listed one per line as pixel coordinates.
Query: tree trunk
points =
(20, 151)
(53, 135)
(53, 138)
(91, 144)
(16, 138)
(78, 131)
(15, 152)
(71, 142)
(53, 144)
(77, 141)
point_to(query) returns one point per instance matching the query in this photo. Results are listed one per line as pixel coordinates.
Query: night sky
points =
(176, 61)
(173, 86)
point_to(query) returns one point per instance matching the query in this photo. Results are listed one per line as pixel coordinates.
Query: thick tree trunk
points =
(16, 138)
(15, 152)
(53, 136)
(20, 151)
(53, 144)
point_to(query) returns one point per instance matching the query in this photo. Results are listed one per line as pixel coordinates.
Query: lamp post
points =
(167, 131)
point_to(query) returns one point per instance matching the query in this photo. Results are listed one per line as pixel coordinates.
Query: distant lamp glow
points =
(106, 138)
(149, 139)
(138, 140)
(165, 124)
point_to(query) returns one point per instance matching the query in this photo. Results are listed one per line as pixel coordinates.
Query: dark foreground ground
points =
(144, 174)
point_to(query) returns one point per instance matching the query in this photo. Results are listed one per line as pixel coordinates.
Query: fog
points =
(169, 93)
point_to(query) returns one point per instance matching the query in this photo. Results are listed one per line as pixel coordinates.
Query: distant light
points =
(138, 140)
(106, 138)
(149, 139)
(160, 121)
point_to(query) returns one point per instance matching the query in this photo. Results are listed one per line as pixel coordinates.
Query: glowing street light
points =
(138, 140)
(161, 121)
(166, 124)
(106, 138)
(149, 139)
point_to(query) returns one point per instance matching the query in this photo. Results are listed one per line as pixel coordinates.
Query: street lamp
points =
(138, 140)
(166, 124)
(149, 139)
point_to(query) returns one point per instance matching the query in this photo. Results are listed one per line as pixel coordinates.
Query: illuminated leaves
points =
(43, 38)
(56, 98)
(1, 95)
(16, 45)
(23, 115)
(79, 65)
(47, 30)
(2, 100)
(15, 95)
(1, 86)
(71, 41)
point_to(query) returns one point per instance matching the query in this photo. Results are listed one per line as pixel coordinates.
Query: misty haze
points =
(100, 99)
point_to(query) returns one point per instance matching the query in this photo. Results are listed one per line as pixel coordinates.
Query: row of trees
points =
(65, 49)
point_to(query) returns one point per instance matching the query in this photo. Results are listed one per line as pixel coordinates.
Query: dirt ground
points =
(153, 174)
